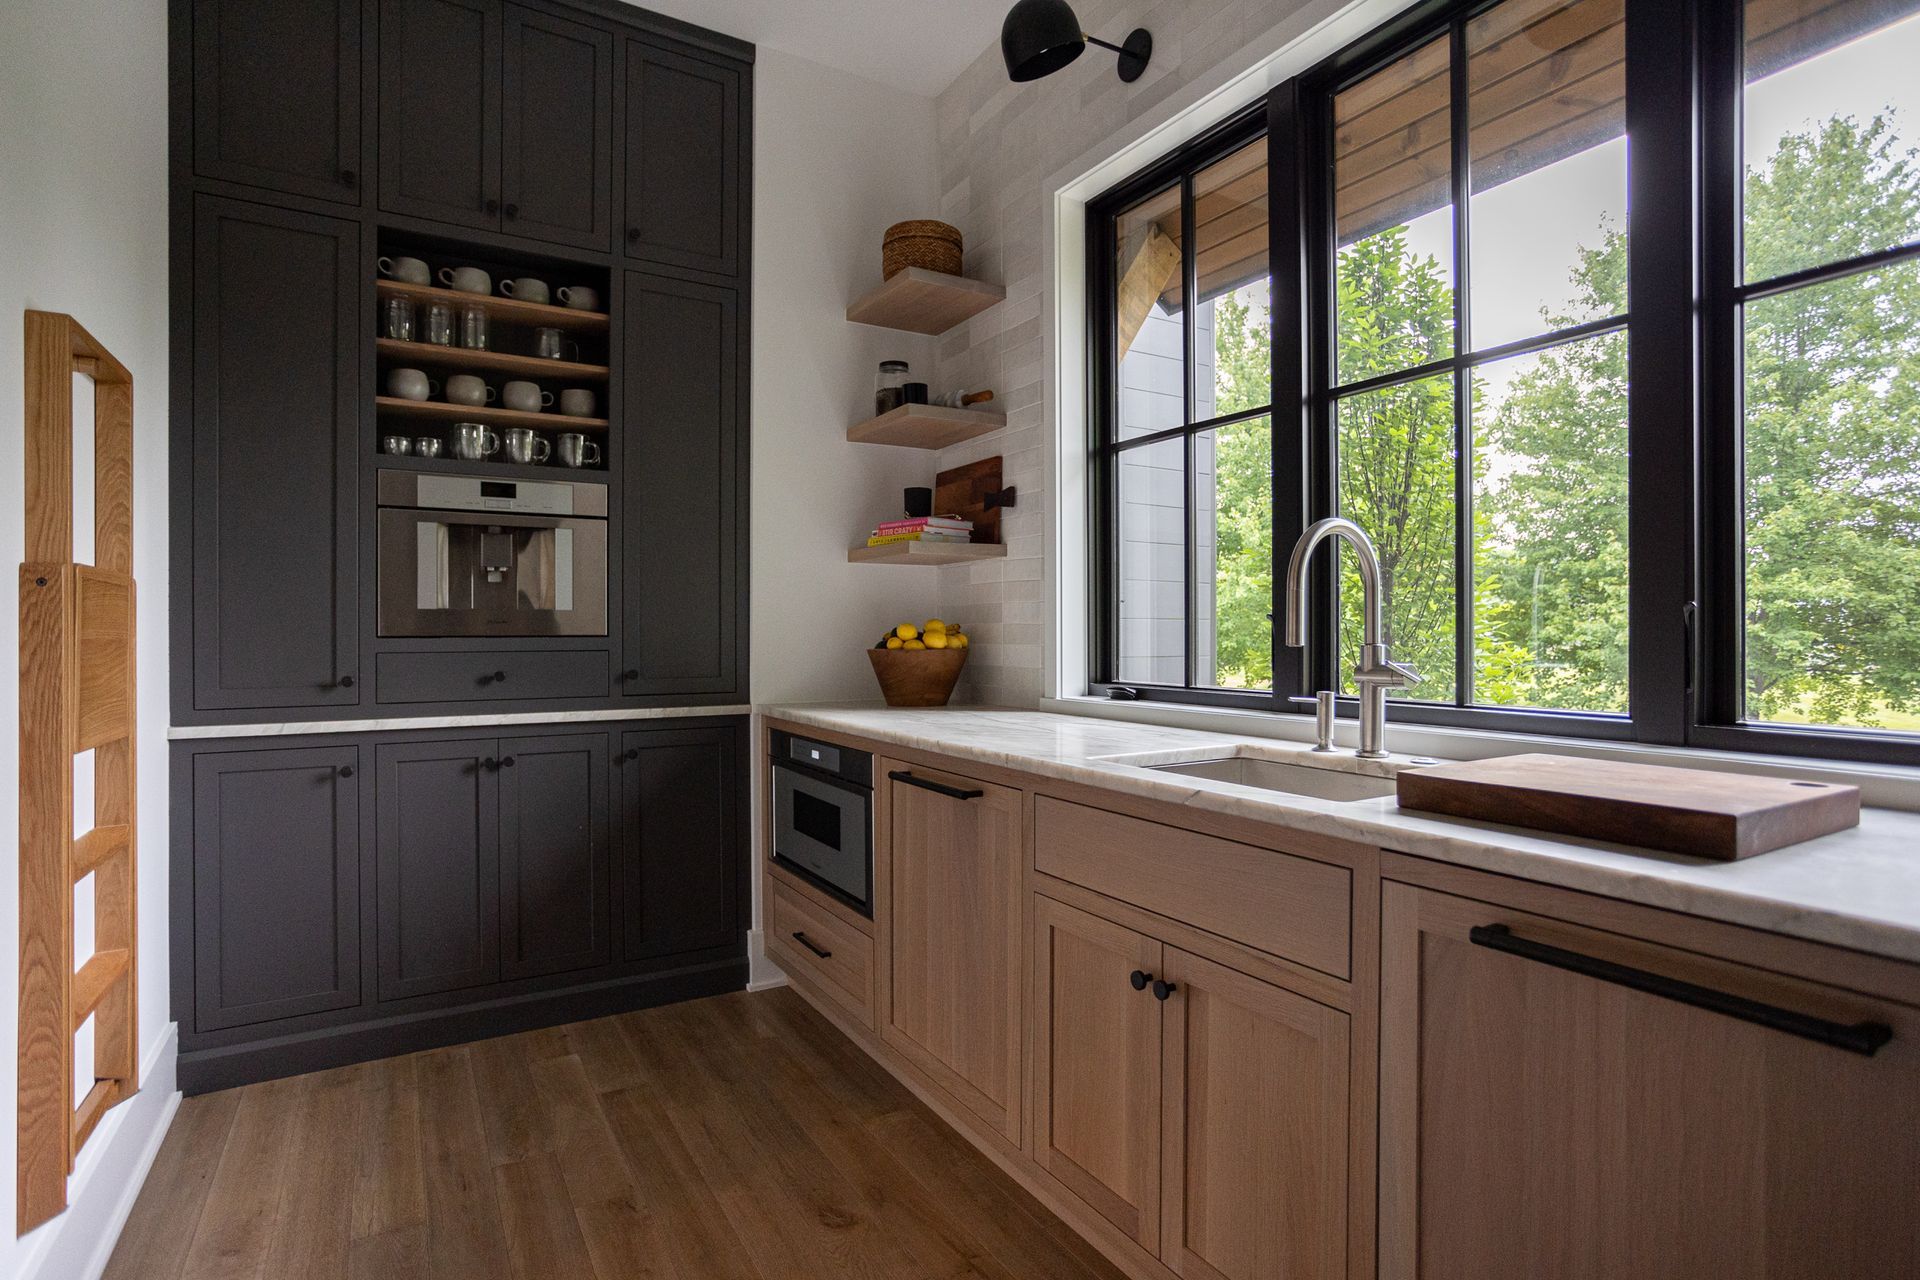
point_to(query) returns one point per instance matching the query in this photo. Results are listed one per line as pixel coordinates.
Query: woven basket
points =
(924, 243)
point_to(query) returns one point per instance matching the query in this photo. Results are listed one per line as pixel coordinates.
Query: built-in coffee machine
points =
(468, 556)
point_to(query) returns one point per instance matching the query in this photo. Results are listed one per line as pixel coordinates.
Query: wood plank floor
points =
(736, 1138)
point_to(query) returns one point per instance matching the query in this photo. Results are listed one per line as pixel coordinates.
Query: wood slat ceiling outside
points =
(1547, 79)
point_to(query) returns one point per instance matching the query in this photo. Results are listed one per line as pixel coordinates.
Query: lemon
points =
(914, 644)
(937, 639)
(895, 642)
(933, 625)
(958, 640)
(907, 631)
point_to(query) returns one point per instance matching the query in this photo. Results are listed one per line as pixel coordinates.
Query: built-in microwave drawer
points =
(485, 677)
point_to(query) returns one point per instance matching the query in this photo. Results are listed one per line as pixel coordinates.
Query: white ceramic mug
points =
(525, 397)
(408, 270)
(526, 289)
(579, 297)
(410, 384)
(469, 389)
(576, 402)
(466, 279)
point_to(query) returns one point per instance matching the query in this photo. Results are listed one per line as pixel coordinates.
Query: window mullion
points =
(1287, 190)
(1189, 289)
(1462, 194)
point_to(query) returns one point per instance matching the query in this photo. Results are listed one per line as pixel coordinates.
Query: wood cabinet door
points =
(274, 461)
(440, 110)
(276, 884)
(680, 448)
(276, 95)
(556, 180)
(1255, 1124)
(437, 860)
(1096, 1065)
(954, 936)
(685, 171)
(681, 854)
(555, 901)
(1539, 1121)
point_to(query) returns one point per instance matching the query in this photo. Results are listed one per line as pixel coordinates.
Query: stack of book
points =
(922, 529)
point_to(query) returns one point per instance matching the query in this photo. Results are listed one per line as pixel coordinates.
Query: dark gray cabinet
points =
(440, 110)
(273, 468)
(680, 819)
(557, 131)
(683, 477)
(555, 901)
(276, 95)
(437, 866)
(276, 887)
(686, 176)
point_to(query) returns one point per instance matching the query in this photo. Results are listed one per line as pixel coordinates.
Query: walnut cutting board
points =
(1692, 811)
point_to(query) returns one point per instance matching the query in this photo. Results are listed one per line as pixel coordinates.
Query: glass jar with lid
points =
(887, 395)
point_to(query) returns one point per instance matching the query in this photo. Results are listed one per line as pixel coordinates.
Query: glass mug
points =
(552, 344)
(526, 448)
(575, 450)
(471, 441)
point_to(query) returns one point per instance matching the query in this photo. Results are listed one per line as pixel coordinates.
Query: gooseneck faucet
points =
(1376, 672)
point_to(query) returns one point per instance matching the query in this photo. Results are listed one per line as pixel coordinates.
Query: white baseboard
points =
(762, 973)
(107, 1180)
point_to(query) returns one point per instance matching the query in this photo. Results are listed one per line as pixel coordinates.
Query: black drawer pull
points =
(1863, 1038)
(1163, 989)
(1139, 979)
(811, 945)
(901, 775)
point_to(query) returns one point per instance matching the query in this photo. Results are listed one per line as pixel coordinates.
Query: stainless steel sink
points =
(1280, 775)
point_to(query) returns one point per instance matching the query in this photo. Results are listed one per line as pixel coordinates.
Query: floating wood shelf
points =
(926, 426)
(508, 309)
(926, 553)
(922, 301)
(467, 358)
(440, 411)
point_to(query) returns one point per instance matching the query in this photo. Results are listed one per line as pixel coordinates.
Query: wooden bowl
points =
(917, 677)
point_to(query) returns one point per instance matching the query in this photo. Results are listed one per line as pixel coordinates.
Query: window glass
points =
(1830, 123)
(1152, 515)
(1550, 528)
(1832, 383)
(1393, 217)
(1148, 309)
(1233, 554)
(1546, 112)
(1396, 462)
(1232, 320)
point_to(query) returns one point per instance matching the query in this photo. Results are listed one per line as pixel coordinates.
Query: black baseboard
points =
(205, 1070)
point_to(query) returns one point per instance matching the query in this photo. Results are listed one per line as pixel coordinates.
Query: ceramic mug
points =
(526, 289)
(466, 279)
(525, 397)
(472, 441)
(407, 270)
(575, 402)
(575, 450)
(469, 389)
(410, 384)
(579, 297)
(525, 447)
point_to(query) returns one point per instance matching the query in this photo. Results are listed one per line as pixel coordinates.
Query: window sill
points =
(1883, 786)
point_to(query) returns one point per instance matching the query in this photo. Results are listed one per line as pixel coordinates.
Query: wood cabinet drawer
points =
(477, 677)
(1287, 906)
(822, 950)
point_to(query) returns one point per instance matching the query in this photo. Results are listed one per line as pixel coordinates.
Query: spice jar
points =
(887, 395)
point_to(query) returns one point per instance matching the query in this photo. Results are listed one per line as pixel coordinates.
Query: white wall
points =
(83, 229)
(836, 160)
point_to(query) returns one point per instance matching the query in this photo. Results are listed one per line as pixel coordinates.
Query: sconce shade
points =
(1039, 37)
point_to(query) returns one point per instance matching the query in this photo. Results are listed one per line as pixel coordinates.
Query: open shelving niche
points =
(928, 303)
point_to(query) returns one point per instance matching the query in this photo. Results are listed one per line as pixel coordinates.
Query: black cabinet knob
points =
(348, 177)
(631, 753)
(629, 674)
(1139, 980)
(633, 235)
(346, 771)
(506, 762)
(512, 210)
(1162, 988)
(493, 206)
(489, 763)
(497, 677)
(346, 682)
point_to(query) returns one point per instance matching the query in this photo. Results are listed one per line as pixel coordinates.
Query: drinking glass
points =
(398, 319)
(473, 328)
(439, 325)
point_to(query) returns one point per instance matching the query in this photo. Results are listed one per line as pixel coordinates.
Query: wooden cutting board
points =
(1693, 811)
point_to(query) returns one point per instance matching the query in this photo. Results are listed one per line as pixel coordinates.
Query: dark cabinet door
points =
(680, 860)
(276, 341)
(437, 859)
(555, 910)
(557, 131)
(682, 469)
(276, 885)
(276, 95)
(684, 151)
(440, 110)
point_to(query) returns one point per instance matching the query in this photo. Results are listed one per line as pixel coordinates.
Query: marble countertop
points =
(1858, 888)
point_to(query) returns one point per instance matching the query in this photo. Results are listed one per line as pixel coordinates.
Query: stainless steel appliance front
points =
(823, 816)
(466, 556)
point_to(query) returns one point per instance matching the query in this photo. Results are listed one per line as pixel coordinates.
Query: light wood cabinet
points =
(952, 937)
(1541, 1115)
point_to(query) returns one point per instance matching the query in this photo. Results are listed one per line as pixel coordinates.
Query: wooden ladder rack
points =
(76, 695)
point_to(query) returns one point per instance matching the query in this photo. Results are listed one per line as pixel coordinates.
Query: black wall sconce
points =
(1041, 36)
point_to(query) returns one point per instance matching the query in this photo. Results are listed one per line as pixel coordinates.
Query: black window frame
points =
(1686, 674)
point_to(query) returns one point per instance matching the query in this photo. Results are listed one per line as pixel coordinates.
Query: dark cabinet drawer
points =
(489, 677)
